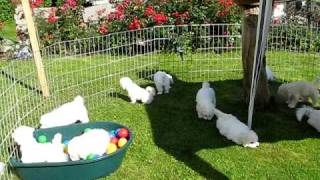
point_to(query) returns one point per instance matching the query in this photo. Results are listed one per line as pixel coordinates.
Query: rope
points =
(265, 11)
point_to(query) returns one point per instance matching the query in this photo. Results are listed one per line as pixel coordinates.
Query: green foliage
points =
(296, 38)
(131, 15)
(6, 10)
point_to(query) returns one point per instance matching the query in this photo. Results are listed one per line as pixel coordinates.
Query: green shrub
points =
(6, 10)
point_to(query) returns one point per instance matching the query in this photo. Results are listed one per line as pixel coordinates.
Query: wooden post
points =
(35, 47)
(249, 31)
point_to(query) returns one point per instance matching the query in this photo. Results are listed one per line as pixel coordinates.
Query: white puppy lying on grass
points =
(136, 93)
(162, 81)
(206, 102)
(33, 152)
(295, 92)
(233, 129)
(66, 114)
(94, 141)
(312, 114)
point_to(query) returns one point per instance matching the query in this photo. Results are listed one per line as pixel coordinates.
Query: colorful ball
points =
(66, 142)
(122, 142)
(123, 133)
(96, 156)
(87, 129)
(112, 133)
(114, 140)
(42, 139)
(90, 156)
(65, 148)
(112, 148)
(116, 132)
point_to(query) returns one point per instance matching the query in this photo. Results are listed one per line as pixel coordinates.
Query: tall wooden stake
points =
(35, 48)
(249, 30)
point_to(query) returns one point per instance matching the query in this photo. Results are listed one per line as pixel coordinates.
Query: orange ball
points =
(122, 142)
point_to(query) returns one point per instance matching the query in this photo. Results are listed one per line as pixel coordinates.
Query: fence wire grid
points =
(92, 67)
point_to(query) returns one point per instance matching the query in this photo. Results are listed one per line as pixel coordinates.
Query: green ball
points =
(42, 139)
(90, 156)
(87, 129)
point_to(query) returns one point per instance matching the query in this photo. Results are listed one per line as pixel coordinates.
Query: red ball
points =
(114, 140)
(123, 133)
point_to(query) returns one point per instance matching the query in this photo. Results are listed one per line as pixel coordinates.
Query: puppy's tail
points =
(79, 100)
(218, 113)
(304, 111)
(170, 78)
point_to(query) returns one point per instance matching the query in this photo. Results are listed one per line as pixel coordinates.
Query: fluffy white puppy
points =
(137, 93)
(94, 141)
(312, 114)
(162, 81)
(66, 114)
(34, 152)
(270, 75)
(233, 129)
(295, 92)
(206, 101)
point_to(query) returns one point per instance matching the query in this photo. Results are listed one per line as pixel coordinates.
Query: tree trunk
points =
(249, 29)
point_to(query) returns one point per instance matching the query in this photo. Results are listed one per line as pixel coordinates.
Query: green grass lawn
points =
(170, 142)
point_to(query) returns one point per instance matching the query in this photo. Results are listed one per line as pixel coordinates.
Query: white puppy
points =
(33, 152)
(66, 114)
(95, 141)
(136, 93)
(295, 92)
(312, 114)
(270, 75)
(206, 102)
(162, 81)
(233, 129)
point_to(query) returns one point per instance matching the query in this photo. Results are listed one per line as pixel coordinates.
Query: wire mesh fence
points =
(92, 67)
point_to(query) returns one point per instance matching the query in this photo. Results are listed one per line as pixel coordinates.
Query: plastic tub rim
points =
(16, 163)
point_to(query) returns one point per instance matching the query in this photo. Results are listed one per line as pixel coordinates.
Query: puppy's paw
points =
(252, 145)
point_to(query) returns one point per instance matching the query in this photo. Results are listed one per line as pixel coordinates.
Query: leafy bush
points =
(65, 22)
(6, 10)
(295, 38)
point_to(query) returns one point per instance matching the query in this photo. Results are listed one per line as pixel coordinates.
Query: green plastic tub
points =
(73, 170)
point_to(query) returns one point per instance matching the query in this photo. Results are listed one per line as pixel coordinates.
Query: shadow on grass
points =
(178, 131)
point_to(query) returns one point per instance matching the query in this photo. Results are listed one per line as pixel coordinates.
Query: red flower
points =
(226, 3)
(103, 29)
(119, 7)
(149, 11)
(72, 3)
(223, 13)
(135, 24)
(185, 15)
(64, 8)
(52, 19)
(160, 18)
(117, 15)
(176, 14)
(35, 3)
